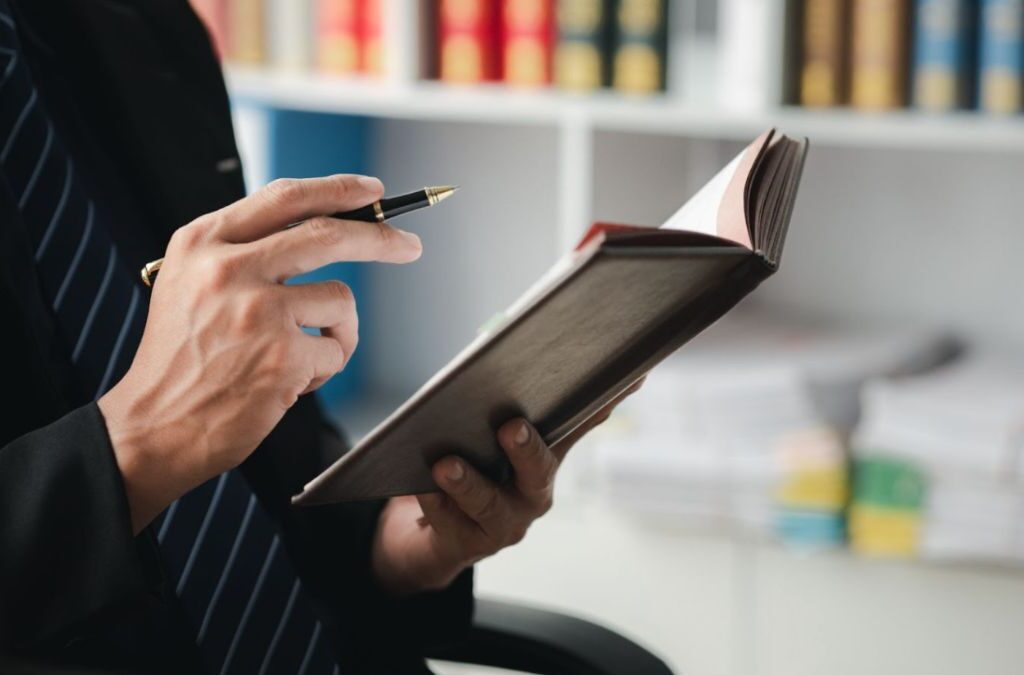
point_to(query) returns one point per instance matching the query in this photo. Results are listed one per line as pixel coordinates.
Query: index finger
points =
(321, 241)
(288, 200)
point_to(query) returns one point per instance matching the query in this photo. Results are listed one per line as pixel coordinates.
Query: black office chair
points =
(531, 640)
(518, 638)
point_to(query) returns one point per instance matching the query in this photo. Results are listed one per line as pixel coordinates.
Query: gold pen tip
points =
(440, 192)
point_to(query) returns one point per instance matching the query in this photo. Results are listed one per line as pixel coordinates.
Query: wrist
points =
(145, 455)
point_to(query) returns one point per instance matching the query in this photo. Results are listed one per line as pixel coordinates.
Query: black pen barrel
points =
(396, 206)
(389, 207)
(367, 214)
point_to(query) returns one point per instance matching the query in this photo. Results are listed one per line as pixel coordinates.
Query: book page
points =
(700, 213)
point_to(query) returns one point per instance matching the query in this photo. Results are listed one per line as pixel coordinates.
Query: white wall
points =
(482, 247)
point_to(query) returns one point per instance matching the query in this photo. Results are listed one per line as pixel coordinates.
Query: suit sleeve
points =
(68, 553)
(331, 548)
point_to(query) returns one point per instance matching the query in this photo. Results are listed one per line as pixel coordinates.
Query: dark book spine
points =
(1001, 56)
(943, 48)
(641, 45)
(823, 72)
(583, 52)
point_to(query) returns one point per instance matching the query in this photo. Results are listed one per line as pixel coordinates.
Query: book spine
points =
(584, 39)
(757, 70)
(1001, 56)
(246, 30)
(641, 42)
(942, 54)
(290, 23)
(527, 28)
(468, 36)
(337, 36)
(824, 68)
(214, 14)
(879, 53)
(371, 37)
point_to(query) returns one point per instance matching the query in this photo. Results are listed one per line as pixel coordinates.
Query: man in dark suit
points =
(149, 445)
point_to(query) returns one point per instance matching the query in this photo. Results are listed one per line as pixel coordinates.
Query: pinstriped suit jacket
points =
(136, 92)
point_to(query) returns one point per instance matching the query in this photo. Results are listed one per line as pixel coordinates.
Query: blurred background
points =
(830, 479)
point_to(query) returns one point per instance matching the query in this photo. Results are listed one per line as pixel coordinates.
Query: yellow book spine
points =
(879, 54)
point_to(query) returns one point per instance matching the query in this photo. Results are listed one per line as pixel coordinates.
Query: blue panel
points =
(302, 145)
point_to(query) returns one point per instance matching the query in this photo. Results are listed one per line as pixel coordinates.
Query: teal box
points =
(304, 145)
(811, 530)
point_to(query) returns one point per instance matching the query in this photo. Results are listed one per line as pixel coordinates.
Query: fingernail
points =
(371, 184)
(455, 471)
(522, 434)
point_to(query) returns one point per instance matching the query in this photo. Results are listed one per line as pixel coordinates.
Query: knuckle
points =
(516, 534)
(545, 504)
(385, 234)
(187, 237)
(346, 184)
(338, 357)
(216, 272)
(278, 356)
(284, 190)
(250, 310)
(340, 291)
(487, 507)
(324, 231)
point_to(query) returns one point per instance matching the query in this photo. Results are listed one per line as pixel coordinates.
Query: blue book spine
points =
(943, 54)
(1001, 56)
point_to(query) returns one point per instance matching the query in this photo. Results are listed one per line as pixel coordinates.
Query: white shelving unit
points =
(431, 101)
(902, 216)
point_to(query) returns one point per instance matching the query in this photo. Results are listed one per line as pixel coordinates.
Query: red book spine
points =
(468, 36)
(371, 36)
(528, 28)
(337, 36)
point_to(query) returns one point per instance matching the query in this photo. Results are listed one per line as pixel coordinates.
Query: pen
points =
(379, 211)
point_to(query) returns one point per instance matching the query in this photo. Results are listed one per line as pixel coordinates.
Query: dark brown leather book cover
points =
(625, 300)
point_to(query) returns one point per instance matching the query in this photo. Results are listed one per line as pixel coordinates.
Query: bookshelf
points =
(606, 111)
(905, 217)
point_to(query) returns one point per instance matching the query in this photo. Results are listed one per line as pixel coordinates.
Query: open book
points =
(598, 321)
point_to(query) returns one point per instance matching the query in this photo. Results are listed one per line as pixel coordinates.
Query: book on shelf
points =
(527, 37)
(824, 65)
(760, 405)
(939, 462)
(605, 315)
(879, 53)
(370, 31)
(337, 36)
(758, 46)
(584, 41)
(468, 38)
(1001, 56)
(641, 46)
(247, 35)
(290, 34)
(944, 47)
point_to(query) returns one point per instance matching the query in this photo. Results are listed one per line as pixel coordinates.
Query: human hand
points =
(424, 541)
(223, 355)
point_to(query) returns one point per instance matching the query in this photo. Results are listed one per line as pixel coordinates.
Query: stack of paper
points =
(812, 495)
(747, 424)
(961, 428)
